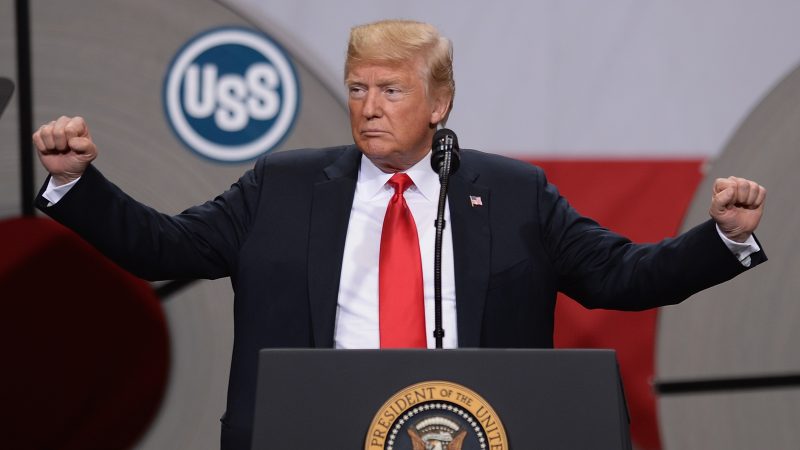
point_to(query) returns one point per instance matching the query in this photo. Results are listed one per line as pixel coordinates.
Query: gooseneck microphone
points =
(445, 160)
(445, 152)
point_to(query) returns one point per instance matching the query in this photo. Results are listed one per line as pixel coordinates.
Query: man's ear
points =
(441, 106)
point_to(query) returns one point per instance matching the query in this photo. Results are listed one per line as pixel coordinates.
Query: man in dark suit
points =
(302, 234)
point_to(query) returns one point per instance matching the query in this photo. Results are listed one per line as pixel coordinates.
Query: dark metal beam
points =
(25, 103)
(701, 386)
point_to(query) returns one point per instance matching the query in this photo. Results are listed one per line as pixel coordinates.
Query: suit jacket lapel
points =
(471, 245)
(330, 214)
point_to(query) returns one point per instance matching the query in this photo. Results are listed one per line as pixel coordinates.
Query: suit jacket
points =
(279, 233)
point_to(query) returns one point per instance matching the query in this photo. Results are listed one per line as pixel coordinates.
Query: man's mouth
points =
(373, 133)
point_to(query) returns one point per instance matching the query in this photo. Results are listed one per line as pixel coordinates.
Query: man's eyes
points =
(393, 92)
(361, 91)
(356, 91)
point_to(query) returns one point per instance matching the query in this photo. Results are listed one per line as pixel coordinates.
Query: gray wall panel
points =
(109, 67)
(106, 61)
(749, 326)
(734, 421)
(9, 142)
(201, 331)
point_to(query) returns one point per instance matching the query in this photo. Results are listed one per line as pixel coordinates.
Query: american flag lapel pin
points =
(475, 200)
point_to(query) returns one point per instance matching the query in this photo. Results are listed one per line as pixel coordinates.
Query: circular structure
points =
(436, 415)
(730, 354)
(231, 94)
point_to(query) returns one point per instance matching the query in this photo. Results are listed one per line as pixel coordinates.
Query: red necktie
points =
(402, 307)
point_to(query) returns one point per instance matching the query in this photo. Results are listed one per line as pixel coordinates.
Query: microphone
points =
(445, 143)
(445, 160)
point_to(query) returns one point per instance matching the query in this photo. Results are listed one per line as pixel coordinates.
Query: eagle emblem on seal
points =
(437, 433)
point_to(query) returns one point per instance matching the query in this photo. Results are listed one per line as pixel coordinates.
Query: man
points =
(310, 237)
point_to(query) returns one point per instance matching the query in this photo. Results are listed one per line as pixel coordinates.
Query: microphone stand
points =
(444, 179)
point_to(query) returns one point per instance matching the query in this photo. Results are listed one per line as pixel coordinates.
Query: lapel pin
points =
(475, 200)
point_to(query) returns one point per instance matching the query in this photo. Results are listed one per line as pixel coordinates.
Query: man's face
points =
(391, 116)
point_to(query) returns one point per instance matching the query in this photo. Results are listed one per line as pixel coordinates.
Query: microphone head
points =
(444, 142)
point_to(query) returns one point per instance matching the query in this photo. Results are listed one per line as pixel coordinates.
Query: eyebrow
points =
(380, 83)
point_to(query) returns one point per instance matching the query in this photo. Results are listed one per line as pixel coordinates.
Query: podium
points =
(442, 399)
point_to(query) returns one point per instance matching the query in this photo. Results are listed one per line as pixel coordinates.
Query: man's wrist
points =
(55, 192)
(741, 250)
(60, 180)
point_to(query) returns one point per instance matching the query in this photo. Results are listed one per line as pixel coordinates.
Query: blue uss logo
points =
(231, 94)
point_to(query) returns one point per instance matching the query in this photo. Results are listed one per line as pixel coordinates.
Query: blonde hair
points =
(397, 42)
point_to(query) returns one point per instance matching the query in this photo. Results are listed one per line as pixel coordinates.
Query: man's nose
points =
(372, 105)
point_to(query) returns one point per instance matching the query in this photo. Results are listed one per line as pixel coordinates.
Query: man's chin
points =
(387, 165)
(374, 149)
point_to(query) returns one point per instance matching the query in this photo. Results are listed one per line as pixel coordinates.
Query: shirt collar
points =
(371, 179)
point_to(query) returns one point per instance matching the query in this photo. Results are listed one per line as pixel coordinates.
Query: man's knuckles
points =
(721, 184)
(60, 139)
(76, 127)
(81, 144)
(762, 195)
(742, 191)
(47, 138)
(724, 196)
(752, 196)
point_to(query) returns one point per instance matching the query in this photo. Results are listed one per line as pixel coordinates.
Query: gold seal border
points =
(431, 391)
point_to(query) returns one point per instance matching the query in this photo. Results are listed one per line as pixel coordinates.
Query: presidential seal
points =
(436, 415)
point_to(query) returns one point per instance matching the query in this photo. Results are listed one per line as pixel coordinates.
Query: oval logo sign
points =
(231, 94)
(436, 415)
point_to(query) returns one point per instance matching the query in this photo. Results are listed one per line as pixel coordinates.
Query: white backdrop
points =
(582, 78)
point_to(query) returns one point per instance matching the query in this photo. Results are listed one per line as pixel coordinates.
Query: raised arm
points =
(201, 242)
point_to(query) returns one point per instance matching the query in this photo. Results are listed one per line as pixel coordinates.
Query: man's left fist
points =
(736, 206)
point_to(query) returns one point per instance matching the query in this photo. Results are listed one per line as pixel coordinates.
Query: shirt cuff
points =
(741, 250)
(54, 193)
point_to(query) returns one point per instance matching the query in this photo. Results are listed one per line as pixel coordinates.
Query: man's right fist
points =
(65, 148)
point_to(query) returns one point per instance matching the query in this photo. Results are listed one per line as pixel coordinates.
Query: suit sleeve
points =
(602, 269)
(201, 242)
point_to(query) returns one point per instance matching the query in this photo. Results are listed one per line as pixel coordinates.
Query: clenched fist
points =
(65, 148)
(737, 205)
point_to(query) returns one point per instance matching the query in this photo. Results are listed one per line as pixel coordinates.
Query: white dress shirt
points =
(357, 311)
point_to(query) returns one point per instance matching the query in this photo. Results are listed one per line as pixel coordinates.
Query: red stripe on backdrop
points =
(645, 200)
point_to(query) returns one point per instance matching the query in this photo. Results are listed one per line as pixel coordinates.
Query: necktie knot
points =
(400, 182)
